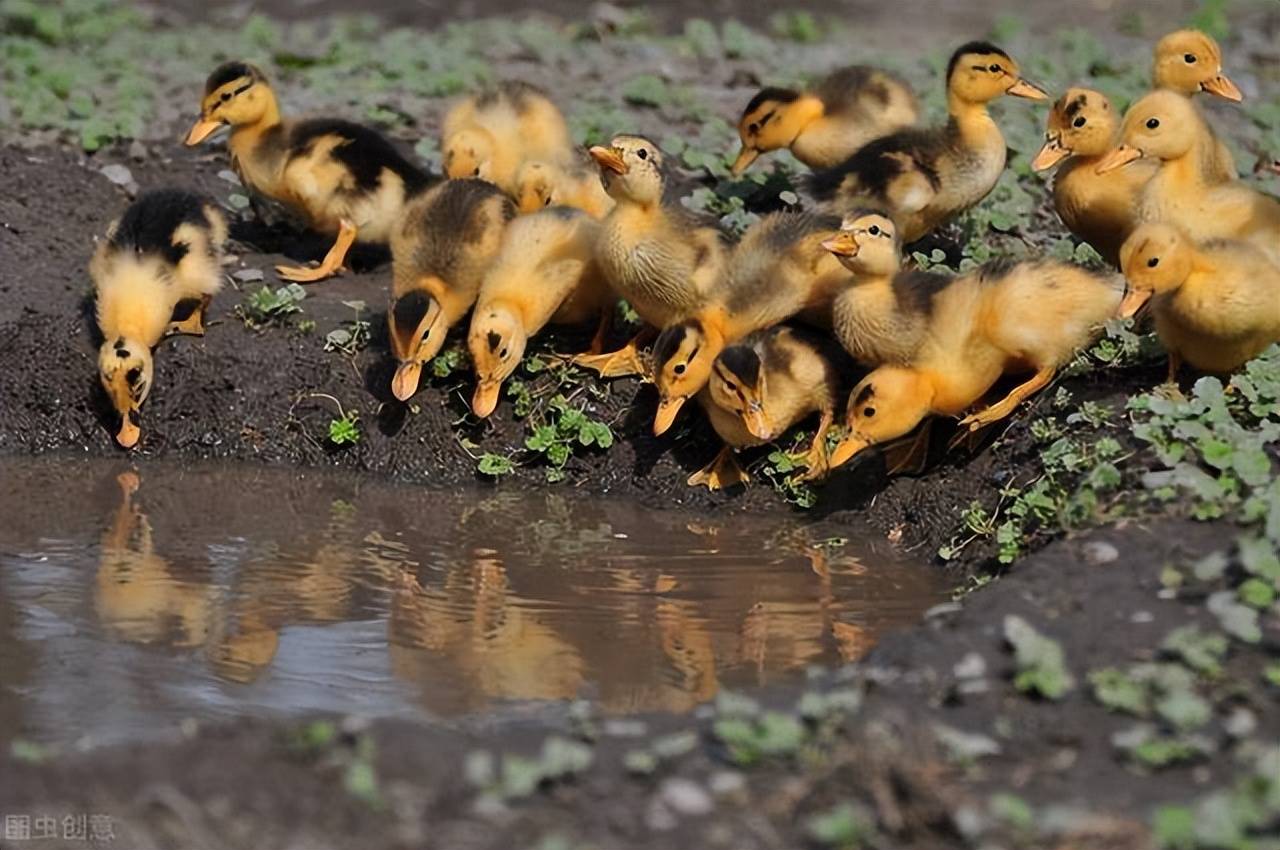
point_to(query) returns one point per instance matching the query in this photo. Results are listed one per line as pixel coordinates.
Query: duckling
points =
(1099, 209)
(1032, 315)
(572, 182)
(823, 126)
(1166, 127)
(162, 256)
(1189, 62)
(1216, 303)
(758, 389)
(545, 272)
(924, 177)
(489, 134)
(882, 313)
(654, 252)
(777, 271)
(342, 178)
(439, 254)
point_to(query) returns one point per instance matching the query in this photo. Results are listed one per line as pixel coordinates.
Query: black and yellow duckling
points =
(761, 387)
(827, 123)
(160, 261)
(1002, 318)
(342, 178)
(777, 271)
(572, 181)
(440, 252)
(658, 255)
(489, 134)
(545, 273)
(1188, 62)
(1216, 304)
(1167, 128)
(1101, 209)
(924, 176)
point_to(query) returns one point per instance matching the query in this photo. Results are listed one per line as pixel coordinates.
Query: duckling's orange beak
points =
(1050, 155)
(666, 415)
(843, 244)
(405, 382)
(746, 156)
(201, 130)
(1133, 301)
(1223, 87)
(610, 158)
(129, 432)
(1025, 88)
(847, 448)
(756, 422)
(1121, 156)
(485, 399)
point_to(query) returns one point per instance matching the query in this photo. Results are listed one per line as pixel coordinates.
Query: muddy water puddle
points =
(131, 600)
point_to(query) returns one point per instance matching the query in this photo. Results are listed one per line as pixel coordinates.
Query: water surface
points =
(132, 599)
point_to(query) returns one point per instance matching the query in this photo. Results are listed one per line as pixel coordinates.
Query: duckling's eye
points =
(753, 128)
(679, 369)
(1079, 122)
(995, 69)
(226, 95)
(1153, 262)
(1153, 123)
(868, 412)
(547, 201)
(1190, 58)
(503, 354)
(476, 172)
(642, 153)
(874, 230)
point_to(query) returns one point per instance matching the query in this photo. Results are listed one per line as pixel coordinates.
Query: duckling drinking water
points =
(342, 178)
(163, 254)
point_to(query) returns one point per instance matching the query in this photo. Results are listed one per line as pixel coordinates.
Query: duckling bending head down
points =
(1216, 304)
(1190, 61)
(924, 176)
(440, 253)
(342, 178)
(489, 134)
(571, 182)
(161, 259)
(827, 123)
(658, 255)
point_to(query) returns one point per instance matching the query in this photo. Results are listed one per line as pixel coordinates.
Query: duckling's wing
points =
(898, 171)
(363, 151)
(852, 91)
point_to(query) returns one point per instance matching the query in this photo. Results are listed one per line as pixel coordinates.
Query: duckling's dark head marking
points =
(976, 48)
(743, 362)
(229, 71)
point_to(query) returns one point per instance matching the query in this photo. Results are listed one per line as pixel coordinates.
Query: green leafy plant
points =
(353, 336)
(564, 430)
(1042, 666)
(267, 306)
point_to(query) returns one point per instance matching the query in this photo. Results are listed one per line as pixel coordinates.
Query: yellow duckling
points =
(1216, 303)
(1188, 62)
(825, 125)
(1032, 315)
(342, 178)
(1166, 127)
(777, 271)
(545, 273)
(882, 312)
(924, 177)
(1101, 209)
(160, 261)
(490, 134)
(758, 389)
(571, 182)
(654, 252)
(440, 253)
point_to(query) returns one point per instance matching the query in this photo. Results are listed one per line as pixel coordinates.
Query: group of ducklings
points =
(528, 230)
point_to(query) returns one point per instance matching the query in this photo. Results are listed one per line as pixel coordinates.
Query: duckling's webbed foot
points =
(1006, 406)
(193, 324)
(722, 473)
(332, 264)
(815, 459)
(626, 361)
(910, 455)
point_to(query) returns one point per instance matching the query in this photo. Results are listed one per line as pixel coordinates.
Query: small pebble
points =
(1098, 552)
(1142, 617)
(943, 609)
(686, 797)
(658, 817)
(725, 783)
(138, 151)
(230, 176)
(1241, 723)
(972, 666)
(621, 728)
(248, 275)
(121, 176)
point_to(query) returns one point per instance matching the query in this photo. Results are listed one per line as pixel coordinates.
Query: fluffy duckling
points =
(924, 176)
(545, 273)
(1031, 315)
(574, 182)
(1189, 62)
(490, 134)
(655, 253)
(440, 253)
(777, 271)
(823, 126)
(342, 178)
(758, 389)
(1166, 127)
(1100, 209)
(1216, 304)
(882, 312)
(162, 256)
